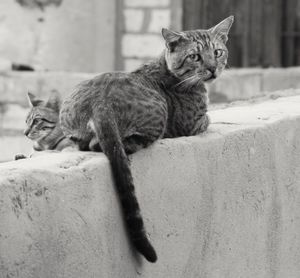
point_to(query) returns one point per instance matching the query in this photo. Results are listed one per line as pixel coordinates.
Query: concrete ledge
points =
(222, 204)
(243, 84)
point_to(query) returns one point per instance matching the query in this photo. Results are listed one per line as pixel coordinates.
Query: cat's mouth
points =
(32, 136)
(210, 76)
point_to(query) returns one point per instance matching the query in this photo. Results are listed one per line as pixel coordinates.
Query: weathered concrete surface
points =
(222, 204)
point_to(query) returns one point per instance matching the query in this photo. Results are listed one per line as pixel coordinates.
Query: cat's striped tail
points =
(108, 135)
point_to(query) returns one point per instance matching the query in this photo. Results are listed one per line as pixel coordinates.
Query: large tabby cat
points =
(121, 113)
(43, 125)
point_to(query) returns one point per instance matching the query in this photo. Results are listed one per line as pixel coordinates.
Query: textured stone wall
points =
(143, 20)
(222, 204)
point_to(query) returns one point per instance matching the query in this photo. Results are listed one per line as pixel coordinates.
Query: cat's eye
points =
(36, 121)
(195, 57)
(218, 53)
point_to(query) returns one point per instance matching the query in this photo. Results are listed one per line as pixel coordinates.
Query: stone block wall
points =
(141, 29)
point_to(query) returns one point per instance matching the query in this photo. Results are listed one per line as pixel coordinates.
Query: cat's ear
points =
(33, 101)
(221, 30)
(54, 101)
(171, 38)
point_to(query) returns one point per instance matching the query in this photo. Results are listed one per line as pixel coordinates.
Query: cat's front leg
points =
(201, 125)
(36, 148)
(22, 156)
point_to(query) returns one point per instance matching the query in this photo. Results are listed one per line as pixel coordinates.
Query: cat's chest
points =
(185, 110)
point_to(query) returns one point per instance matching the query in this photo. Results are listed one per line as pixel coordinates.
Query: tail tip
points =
(151, 256)
(145, 248)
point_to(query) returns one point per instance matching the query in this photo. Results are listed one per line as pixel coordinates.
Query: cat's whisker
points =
(185, 80)
(190, 83)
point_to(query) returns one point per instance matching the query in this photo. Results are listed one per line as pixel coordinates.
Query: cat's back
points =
(87, 92)
(96, 87)
(111, 86)
(77, 107)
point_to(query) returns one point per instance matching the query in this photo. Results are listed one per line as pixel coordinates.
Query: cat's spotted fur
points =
(120, 113)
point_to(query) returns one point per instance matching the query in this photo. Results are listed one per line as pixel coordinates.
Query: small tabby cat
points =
(43, 125)
(121, 113)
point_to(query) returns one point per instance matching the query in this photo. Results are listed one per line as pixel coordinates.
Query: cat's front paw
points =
(201, 125)
(20, 156)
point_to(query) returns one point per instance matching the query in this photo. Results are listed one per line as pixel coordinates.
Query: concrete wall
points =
(73, 35)
(247, 83)
(221, 204)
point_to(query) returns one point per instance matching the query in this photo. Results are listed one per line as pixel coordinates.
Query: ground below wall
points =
(222, 204)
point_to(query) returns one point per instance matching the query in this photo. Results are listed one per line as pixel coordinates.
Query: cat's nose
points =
(26, 132)
(212, 70)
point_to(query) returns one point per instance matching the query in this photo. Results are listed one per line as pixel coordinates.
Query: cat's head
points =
(43, 116)
(197, 55)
